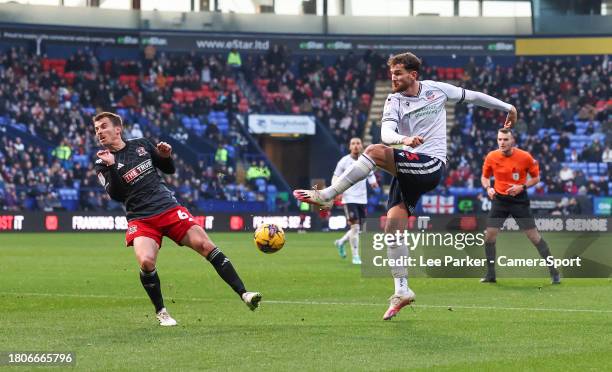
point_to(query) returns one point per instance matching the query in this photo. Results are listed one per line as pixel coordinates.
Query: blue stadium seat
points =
(186, 122)
(89, 110)
(69, 198)
(261, 184)
(29, 203)
(603, 168)
(82, 159)
(123, 112)
(231, 151)
(20, 126)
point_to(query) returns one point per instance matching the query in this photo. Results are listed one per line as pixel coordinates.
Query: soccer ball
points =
(269, 238)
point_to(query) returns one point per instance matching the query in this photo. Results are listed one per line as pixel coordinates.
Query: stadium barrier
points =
(467, 201)
(225, 222)
(244, 43)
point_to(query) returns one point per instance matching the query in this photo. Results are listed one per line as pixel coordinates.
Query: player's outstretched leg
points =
(146, 250)
(197, 239)
(373, 156)
(398, 252)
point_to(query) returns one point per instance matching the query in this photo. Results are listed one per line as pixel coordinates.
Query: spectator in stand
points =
(252, 173)
(234, 61)
(136, 132)
(212, 132)
(19, 146)
(606, 157)
(221, 155)
(264, 171)
(566, 174)
(63, 153)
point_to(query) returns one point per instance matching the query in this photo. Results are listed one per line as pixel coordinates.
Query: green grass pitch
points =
(81, 293)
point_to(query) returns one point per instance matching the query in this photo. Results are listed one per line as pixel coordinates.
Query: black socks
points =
(491, 256)
(226, 270)
(544, 252)
(150, 282)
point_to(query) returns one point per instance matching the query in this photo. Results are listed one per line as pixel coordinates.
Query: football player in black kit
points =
(128, 171)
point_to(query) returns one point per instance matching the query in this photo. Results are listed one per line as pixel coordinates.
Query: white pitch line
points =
(443, 306)
(317, 303)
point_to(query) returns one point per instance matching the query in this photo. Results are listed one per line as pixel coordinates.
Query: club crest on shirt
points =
(141, 151)
(430, 95)
(515, 176)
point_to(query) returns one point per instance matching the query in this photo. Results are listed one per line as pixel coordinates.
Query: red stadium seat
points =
(69, 76)
(459, 73)
(450, 73)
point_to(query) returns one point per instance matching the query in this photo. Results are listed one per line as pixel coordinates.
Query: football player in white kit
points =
(354, 200)
(414, 116)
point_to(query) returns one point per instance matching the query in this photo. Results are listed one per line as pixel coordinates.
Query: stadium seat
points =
(69, 198)
(603, 169)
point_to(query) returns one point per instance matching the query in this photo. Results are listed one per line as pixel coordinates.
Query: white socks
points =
(401, 286)
(345, 237)
(354, 239)
(356, 172)
(399, 273)
(352, 235)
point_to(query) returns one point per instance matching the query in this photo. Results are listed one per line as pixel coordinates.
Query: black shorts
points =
(504, 206)
(417, 174)
(355, 213)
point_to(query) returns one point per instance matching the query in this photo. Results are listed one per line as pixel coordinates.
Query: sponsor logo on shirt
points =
(141, 151)
(426, 111)
(141, 168)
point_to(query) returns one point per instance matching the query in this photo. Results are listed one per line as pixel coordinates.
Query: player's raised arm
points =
(459, 95)
(109, 177)
(162, 157)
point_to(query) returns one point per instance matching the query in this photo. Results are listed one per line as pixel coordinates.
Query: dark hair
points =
(506, 131)
(114, 118)
(408, 60)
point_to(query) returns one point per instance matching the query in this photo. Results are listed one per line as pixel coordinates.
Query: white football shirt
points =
(358, 193)
(423, 115)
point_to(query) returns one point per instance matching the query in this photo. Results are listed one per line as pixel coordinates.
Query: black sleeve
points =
(112, 181)
(166, 165)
